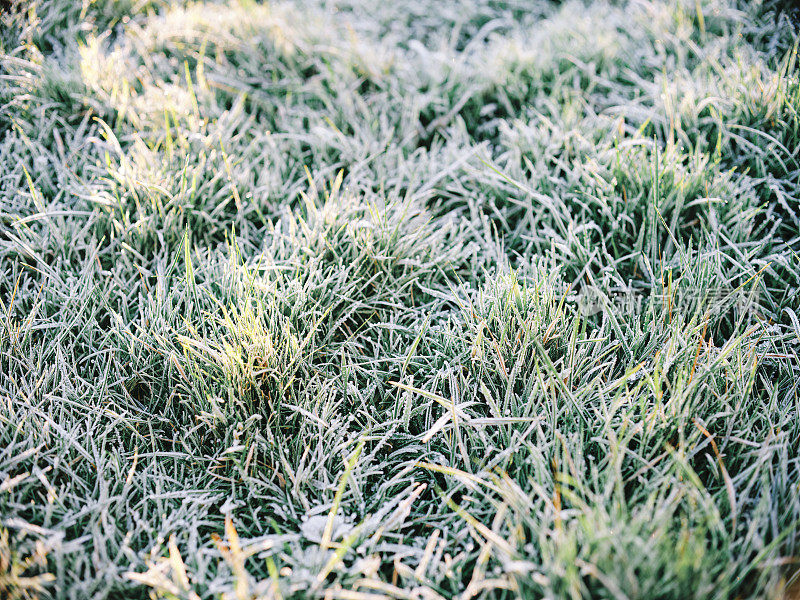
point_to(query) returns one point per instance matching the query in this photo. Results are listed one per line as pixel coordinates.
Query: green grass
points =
(361, 300)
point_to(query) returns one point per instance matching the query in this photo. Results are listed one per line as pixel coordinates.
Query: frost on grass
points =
(407, 300)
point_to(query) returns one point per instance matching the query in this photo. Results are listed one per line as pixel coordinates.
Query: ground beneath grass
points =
(413, 300)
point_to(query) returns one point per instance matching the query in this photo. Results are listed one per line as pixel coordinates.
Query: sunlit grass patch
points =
(480, 299)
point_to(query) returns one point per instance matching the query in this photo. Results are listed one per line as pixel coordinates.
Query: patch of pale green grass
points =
(357, 300)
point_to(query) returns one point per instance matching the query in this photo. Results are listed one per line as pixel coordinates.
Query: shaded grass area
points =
(485, 299)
